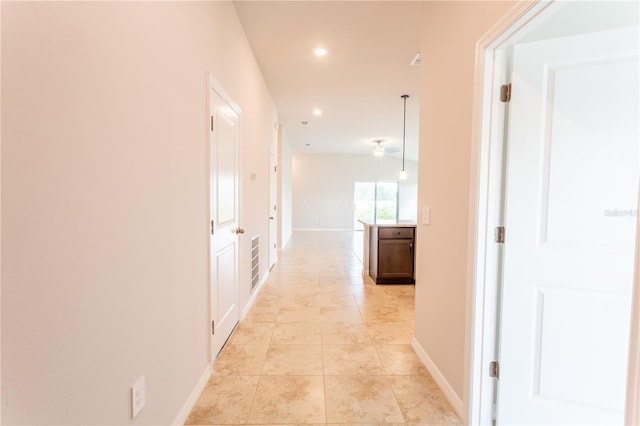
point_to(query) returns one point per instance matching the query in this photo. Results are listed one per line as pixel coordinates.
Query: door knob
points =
(239, 231)
(270, 217)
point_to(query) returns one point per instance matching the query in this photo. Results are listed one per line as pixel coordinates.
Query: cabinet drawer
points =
(403, 232)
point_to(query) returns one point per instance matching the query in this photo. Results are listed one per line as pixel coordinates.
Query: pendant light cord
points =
(404, 127)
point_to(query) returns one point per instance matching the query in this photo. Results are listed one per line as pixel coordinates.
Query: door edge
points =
(477, 338)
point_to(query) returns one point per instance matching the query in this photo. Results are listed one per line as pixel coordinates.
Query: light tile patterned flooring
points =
(323, 345)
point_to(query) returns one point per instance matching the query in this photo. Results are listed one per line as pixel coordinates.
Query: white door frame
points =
(632, 412)
(486, 197)
(212, 84)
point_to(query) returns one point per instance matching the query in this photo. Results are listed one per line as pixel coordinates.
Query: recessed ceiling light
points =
(317, 112)
(321, 51)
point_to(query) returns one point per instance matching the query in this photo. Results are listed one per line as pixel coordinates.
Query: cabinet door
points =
(395, 258)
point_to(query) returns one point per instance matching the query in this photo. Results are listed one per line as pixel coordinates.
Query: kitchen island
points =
(388, 255)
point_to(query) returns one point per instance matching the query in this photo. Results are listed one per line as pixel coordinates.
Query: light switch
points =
(426, 215)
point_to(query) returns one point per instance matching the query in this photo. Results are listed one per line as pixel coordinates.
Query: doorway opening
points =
(556, 310)
(225, 246)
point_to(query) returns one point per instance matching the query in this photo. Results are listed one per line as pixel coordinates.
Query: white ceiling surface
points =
(357, 85)
(593, 16)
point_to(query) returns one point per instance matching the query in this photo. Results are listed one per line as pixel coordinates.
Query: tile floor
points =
(323, 345)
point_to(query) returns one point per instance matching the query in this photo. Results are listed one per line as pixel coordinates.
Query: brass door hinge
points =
(505, 92)
(494, 369)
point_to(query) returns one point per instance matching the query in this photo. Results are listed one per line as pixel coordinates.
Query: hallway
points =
(323, 346)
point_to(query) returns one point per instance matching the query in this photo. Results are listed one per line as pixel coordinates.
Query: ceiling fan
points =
(380, 150)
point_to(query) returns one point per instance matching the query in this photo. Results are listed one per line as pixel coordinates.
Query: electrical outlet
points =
(138, 397)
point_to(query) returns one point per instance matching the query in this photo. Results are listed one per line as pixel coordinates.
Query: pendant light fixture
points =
(378, 151)
(403, 172)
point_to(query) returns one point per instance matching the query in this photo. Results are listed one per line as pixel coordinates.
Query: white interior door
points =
(273, 210)
(224, 250)
(572, 191)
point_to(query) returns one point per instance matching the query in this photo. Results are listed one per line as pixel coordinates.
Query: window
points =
(375, 202)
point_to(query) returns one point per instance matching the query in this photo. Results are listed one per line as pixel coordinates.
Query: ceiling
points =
(594, 16)
(358, 84)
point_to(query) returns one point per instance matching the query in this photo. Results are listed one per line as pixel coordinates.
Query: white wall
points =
(323, 187)
(445, 146)
(284, 190)
(104, 201)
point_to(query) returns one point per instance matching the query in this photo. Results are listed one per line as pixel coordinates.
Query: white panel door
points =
(273, 210)
(224, 249)
(571, 198)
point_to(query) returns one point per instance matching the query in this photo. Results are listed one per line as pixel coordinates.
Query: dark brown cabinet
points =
(391, 255)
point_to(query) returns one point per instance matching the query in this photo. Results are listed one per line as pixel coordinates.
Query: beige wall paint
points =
(104, 198)
(450, 31)
(323, 187)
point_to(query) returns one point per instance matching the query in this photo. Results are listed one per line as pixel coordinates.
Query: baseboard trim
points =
(437, 375)
(193, 397)
(254, 294)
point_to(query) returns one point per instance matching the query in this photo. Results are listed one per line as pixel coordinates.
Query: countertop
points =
(400, 223)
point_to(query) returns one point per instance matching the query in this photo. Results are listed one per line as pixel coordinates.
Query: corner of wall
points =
(188, 405)
(451, 395)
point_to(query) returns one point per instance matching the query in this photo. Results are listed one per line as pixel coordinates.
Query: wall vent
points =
(255, 261)
(416, 60)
